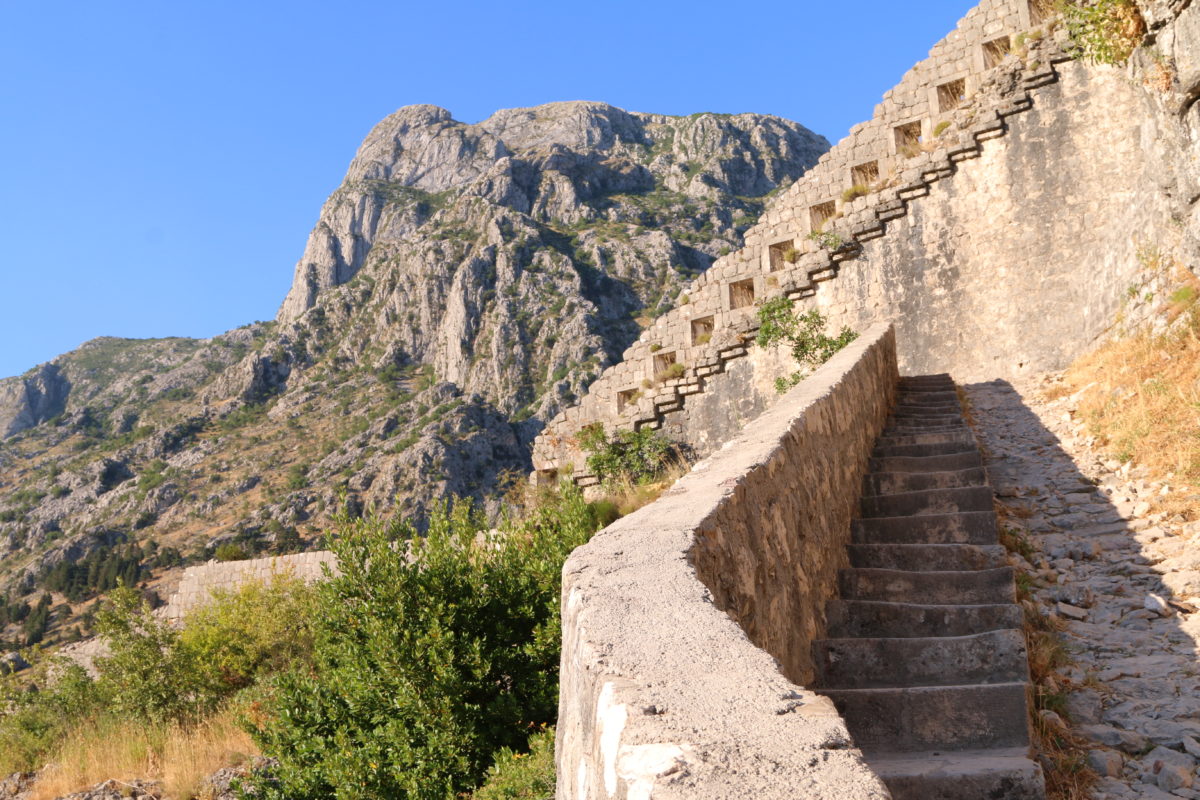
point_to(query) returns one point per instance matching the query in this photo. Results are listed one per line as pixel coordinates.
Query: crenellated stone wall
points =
(687, 625)
(1004, 241)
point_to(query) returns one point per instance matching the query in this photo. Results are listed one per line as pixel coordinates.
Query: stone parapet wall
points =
(198, 584)
(687, 625)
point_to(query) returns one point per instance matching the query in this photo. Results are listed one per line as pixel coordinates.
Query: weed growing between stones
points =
(631, 456)
(803, 334)
(1104, 31)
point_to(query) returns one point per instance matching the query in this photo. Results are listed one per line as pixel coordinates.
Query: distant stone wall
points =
(687, 625)
(1005, 242)
(198, 583)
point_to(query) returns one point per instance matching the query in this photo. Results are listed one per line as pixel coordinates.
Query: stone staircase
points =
(926, 660)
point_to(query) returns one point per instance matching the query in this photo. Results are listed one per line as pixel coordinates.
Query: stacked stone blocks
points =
(959, 97)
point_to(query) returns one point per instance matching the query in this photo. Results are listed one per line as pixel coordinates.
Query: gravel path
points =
(1126, 582)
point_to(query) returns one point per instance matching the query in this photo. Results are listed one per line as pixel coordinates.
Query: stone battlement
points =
(940, 114)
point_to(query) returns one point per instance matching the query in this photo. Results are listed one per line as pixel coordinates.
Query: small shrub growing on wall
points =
(632, 455)
(803, 334)
(1104, 31)
(827, 239)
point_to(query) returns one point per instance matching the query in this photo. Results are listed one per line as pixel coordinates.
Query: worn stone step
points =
(975, 587)
(875, 483)
(883, 663)
(907, 427)
(928, 501)
(928, 557)
(904, 409)
(923, 401)
(972, 527)
(877, 618)
(946, 463)
(941, 718)
(963, 437)
(999, 773)
(940, 377)
(921, 450)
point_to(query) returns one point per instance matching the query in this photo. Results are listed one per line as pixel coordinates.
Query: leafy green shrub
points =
(430, 655)
(1104, 31)
(632, 455)
(228, 551)
(257, 630)
(297, 477)
(517, 775)
(803, 334)
(33, 723)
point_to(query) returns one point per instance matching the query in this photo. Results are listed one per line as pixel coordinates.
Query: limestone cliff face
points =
(463, 284)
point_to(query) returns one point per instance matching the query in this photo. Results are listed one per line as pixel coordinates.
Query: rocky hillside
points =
(463, 284)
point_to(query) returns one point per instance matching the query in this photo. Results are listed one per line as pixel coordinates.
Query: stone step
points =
(982, 658)
(917, 408)
(972, 527)
(921, 450)
(1000, 773)
(924, 400)
(947, 463)
(941, 718)
(928, 557)
(921, 380)
(898, 620)
(876, 483)
(968, 587)
(962, 436)
(928, 501)
(904, 428)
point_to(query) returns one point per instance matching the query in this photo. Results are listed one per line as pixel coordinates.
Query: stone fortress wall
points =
(687, 625)
(992, 257)
(198, 584)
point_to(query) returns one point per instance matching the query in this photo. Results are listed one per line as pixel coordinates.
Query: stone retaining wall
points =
(687, 625)
(198, 583)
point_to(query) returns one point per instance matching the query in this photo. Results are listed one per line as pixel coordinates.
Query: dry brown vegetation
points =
(178, 757)
(1140, 395)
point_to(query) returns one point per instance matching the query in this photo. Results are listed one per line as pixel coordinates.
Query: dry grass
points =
(1140, 395)
(1063, 754)
(627, 496)
(178, 757)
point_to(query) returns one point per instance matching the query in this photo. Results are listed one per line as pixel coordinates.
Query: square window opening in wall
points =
(951, 95)
(663, 362)
(782, 254)
(908, 137)
(741, 293)
(866, 175)
(627, 398)
(1040, 11)
(821, 213)
(995, 51)
(547, 477)
(702, 330)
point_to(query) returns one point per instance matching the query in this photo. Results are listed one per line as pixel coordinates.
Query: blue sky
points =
(161, 163)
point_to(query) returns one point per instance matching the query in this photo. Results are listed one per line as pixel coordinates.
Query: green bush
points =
(33, 723)
(258, 630)
(1104, 31)
(229, 551)
(517, 775)
(430, 655)
(631, 455)
(803, 334)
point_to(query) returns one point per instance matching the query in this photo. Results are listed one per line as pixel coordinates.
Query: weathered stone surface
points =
(661, 690)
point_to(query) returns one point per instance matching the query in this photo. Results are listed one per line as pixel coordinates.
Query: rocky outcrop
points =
(32, 399)
(464, 284)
